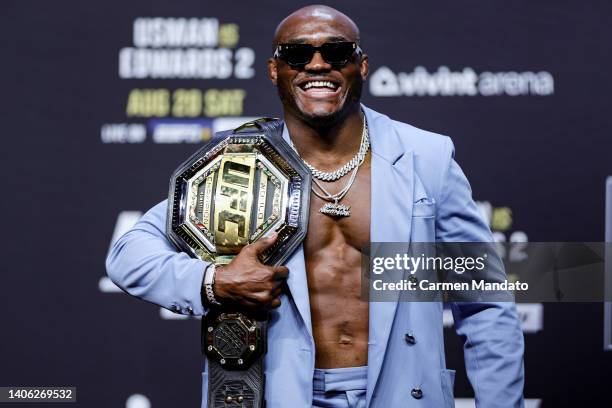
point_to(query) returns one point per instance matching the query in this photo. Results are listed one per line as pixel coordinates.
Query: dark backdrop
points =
(522, 87)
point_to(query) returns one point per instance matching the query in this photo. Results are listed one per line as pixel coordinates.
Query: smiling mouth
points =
(319, 88)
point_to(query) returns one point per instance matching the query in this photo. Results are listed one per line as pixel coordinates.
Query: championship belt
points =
(240, 187)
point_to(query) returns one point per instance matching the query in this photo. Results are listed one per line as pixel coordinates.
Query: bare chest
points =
(352, 231)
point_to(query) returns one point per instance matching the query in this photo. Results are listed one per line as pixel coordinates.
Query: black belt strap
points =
(235, 344)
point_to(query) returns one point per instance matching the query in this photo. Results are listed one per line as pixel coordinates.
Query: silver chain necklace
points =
(333, 207)
(354, 162)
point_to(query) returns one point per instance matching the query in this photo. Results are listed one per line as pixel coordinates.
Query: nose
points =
(317, 63)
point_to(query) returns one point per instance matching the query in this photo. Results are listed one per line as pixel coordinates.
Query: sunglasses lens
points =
(337, 53)
(297, 54)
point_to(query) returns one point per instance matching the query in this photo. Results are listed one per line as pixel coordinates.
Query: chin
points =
(321, 112)
(321, 115)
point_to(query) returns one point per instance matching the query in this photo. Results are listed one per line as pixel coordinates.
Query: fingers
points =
(280, 272)
(261, 245)
(275, 303)
(251, 283)
(275, 296)
(276, 292)
(264, 300)
(274, 299)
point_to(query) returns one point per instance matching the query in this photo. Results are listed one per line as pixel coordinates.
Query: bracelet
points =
(209, 281)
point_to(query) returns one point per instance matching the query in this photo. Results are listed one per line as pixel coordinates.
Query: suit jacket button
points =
(416, 393)
(413, 279)
(410, 339)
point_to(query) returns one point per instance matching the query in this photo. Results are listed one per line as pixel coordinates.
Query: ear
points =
(364, 67)
(272, 72)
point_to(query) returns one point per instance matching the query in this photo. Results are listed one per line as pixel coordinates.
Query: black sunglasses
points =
(334, 53)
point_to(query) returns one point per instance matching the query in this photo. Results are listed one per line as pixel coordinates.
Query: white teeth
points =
(319, 84)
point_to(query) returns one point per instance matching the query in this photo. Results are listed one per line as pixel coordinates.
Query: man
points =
(326, 345)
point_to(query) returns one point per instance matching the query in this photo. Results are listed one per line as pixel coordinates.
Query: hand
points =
(246, 281)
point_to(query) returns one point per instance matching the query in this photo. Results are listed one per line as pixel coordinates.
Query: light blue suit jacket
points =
(419, 194)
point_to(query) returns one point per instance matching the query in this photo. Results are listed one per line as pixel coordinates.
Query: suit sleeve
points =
(490, 331)
(145, 264)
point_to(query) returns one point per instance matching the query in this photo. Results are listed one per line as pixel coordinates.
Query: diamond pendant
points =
(336, 210)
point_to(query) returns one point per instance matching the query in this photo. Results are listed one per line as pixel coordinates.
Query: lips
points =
(319, 88)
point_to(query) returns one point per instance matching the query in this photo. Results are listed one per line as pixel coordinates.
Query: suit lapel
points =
(391, 212)
(298, 285)
(297, 281)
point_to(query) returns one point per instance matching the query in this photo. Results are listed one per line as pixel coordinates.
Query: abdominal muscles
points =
(339, 314)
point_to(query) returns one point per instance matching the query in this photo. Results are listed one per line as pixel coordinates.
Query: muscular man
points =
(327, 346)
(327, 124)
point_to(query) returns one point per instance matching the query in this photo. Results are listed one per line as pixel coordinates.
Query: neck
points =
(326, 146)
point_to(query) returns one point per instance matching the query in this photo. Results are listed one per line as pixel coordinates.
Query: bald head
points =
(305, 21)
(342, 67)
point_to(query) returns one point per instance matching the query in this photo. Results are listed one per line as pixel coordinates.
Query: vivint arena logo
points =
(467, 82)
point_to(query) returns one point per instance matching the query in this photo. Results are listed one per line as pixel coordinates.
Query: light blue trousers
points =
(340, 387)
